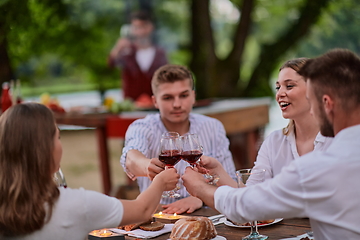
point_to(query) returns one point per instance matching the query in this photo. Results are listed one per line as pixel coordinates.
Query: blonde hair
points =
(27, 190)
(295, 64)
(171, 73)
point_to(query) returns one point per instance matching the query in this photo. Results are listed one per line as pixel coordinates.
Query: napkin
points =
(298, 237)
(138, 233)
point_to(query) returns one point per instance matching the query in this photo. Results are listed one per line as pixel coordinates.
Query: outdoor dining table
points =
(284, 229)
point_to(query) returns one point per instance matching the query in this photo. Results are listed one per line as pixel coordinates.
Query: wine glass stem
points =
(254, 230)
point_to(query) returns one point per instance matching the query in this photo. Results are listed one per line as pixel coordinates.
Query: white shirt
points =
(279, 150)
(144, 135)
(145, 57)
(76, 213)
(321, 185)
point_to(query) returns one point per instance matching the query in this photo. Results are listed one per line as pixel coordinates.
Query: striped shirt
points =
(144, 135)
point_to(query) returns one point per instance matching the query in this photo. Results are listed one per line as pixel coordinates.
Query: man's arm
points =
(197, 186)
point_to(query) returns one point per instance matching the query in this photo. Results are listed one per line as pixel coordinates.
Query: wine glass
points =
(170, 154)
(191, 149)
(191, 153)
(257, 176)
(59, 179)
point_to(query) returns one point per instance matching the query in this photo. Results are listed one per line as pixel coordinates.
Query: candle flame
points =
(160, 213)
(175, 214)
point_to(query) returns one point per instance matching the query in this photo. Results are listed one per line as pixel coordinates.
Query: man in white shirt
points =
(174, 97)
(320, 185)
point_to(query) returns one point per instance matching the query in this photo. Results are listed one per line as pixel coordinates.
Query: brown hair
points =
(295, 64)
(337, 74)
(171, 73)
(27, 190)
(142, 16)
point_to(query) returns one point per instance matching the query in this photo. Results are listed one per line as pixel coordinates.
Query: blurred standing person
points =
(137, 56)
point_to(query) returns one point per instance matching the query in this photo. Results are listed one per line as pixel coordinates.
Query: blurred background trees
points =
(233, 47)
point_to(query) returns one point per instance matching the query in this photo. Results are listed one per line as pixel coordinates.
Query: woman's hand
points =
(209, 165)
(169, 178)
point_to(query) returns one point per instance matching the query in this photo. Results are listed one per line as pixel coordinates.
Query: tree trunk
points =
(228, 70)
(203, 60)
(215, 77)
(271, 53)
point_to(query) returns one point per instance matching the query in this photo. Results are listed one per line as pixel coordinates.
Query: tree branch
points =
(242, 30)
(271, 53)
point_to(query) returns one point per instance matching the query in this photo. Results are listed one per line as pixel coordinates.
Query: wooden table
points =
(284, 229)
(242, 118)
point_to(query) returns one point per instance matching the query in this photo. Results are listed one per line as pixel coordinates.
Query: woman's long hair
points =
(295, 64)
(27, 190)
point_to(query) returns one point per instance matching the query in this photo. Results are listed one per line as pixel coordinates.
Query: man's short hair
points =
(337, 74)
(171, 73)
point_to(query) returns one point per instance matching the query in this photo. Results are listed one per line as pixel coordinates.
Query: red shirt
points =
(134, 81)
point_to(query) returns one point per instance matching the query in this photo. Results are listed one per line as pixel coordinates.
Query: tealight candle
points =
(167, 218)
(105, 234)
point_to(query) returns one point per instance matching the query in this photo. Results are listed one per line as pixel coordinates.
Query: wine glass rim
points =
(170, 134)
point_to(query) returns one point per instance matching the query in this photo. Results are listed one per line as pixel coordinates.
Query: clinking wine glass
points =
(191, 153)
(191, 149)
(170, 154)
(257, 176)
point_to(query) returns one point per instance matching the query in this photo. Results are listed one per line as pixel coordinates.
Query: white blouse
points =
(279, 150)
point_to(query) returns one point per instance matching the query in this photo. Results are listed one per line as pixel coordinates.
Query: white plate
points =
(230, 224)
(218, 237)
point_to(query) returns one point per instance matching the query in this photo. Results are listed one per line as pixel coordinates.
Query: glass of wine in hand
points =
(170, 154)
(257, 176)
(191, 153)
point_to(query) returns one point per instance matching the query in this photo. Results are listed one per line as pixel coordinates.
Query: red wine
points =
(191, 156)
(170, 158)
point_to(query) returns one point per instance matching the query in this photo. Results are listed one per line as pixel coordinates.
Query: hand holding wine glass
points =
(170, 154)
(192, 151)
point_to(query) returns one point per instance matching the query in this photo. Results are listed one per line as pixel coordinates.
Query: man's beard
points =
(326, 128)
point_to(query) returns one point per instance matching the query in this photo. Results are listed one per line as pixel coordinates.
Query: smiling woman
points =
(301, 135)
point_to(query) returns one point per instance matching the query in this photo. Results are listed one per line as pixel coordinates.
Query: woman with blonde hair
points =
(302, 134)
(31, 204)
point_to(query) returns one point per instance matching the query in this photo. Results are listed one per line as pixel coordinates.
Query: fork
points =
(217, 218)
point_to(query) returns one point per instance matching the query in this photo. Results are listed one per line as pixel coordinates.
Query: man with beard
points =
(320, 185)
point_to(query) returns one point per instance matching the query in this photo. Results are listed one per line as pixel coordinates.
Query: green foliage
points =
(77, 34)
(338, 28)
(64, 42)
